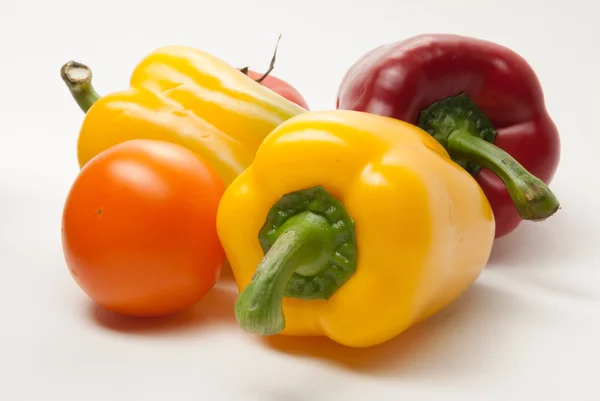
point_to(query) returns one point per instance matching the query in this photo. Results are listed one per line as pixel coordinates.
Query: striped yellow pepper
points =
(186, 96)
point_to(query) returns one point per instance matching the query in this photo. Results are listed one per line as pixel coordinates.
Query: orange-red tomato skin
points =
(139, 228)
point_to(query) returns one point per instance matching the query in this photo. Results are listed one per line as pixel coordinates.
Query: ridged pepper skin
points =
(186, 96)
(404, 78)
(423, 227)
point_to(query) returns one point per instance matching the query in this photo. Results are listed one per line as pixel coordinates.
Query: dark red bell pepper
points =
(481, 101)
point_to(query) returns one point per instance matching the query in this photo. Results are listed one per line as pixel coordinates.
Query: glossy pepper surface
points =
(351, 226)
(448, 82)
(186, 96)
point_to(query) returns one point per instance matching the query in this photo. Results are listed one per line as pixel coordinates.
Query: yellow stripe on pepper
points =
(186, 96)
(351, 226)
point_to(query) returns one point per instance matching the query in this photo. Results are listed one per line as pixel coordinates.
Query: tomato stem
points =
(271, 65)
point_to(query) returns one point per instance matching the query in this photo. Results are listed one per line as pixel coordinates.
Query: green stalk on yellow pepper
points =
(365, 227)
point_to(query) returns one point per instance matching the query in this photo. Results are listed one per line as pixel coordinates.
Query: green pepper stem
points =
(304, 239)
(531, 196)
(78, 78)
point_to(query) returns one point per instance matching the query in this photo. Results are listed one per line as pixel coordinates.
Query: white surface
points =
(528, 330)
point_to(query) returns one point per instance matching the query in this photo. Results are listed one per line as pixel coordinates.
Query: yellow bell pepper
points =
(186, 96)
(365, 227)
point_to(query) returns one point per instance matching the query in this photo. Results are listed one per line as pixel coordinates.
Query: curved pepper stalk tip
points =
(259, 309)
(75, 73)
(78, 78)
(465, 131)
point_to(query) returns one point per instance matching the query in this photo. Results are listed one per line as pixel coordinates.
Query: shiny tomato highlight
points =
(139, 228)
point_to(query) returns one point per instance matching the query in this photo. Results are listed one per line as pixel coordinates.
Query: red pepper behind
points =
(403, 79)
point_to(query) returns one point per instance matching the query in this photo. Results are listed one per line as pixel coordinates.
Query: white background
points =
(529, 329)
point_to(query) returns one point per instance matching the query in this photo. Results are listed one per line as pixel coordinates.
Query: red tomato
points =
(281, 87)
(139, 228)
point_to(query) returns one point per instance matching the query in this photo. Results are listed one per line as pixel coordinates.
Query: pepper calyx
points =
(322, 279)
(310, 252)
(446, 116)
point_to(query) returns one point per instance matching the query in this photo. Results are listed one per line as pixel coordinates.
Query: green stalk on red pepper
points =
(481, 101)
